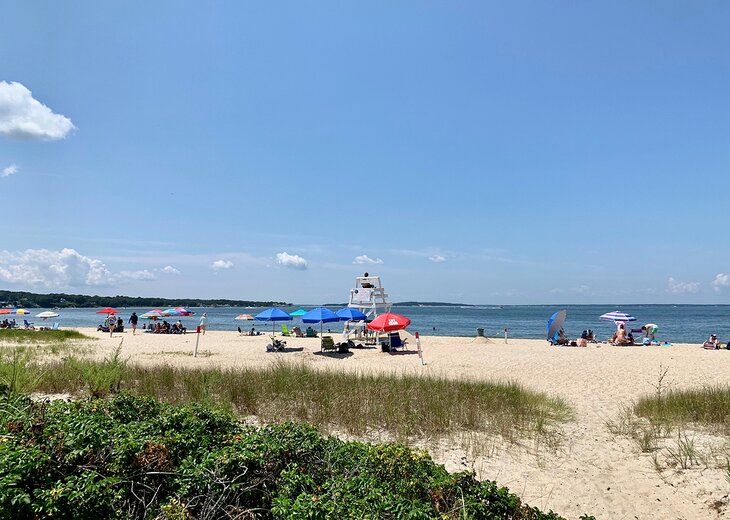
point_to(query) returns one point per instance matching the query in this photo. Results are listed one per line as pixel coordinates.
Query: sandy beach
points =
(590, 471)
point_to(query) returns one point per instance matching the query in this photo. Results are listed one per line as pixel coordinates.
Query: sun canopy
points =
(320, 315)
(350, 314)
(389, 322)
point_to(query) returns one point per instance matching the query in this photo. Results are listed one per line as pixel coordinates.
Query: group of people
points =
(8, 324)
(624, 338)
(164, 327)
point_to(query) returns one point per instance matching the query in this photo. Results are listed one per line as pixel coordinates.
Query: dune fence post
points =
(418, 345)
(197, 339)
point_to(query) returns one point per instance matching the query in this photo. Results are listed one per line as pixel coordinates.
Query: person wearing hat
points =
(712, 342)
(203, 322)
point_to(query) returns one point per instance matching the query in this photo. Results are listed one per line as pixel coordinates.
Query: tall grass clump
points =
(708, 407)
(22, 336)
(402, 406)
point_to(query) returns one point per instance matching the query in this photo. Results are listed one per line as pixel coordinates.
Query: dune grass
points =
(706, 407)
(403, 407)
(22, 336)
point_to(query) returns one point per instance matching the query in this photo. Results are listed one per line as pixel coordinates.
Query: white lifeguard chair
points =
(368, 297)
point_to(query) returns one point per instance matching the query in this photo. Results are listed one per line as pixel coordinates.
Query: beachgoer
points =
(203, 322)
(712, 342)
(620, 336)
(650, 330)
(133, 320)
(562, 338)
(366, 285)
(111, 322)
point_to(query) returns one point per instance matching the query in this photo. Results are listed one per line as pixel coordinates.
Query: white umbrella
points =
(47, 314)
(617, 317)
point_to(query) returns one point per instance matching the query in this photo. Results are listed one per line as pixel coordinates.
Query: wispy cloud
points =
(168, 269)
(365, 259)
(10, 170)
(143, 275)
(677, 287)
(221, 264)
(437, 259)
(284, 259)
(721, 280)
(24, 117)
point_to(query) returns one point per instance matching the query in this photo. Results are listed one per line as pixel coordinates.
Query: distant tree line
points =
(62, 300)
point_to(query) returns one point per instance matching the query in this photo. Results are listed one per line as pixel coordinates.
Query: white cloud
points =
(678, 287)
(170, 270)
(60, 269)
(721, 280)
(10, 170)
(365, 259)
(221, 264)
(24, 117)
(437, 259)
(291, 261)
(143, 275)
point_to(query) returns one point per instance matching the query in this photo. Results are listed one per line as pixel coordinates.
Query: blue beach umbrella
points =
(320, 315)
(350, 314)
(273, 315)
(555, 323)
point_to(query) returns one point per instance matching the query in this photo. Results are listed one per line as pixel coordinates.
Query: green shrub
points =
(134, 457)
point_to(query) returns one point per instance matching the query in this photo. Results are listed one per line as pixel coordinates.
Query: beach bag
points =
(646, 341)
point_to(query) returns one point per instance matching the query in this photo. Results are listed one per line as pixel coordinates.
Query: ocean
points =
(677, 323)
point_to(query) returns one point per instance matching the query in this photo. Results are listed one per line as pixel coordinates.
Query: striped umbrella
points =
(617, 317)
(243, 317)
(20, 311)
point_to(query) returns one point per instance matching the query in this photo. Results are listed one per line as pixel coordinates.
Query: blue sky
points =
(479, 152)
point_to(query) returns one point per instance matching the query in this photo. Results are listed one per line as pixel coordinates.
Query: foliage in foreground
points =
(132, 457)
(708, 406)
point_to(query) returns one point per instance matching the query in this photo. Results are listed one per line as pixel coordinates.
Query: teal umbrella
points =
(300, 312)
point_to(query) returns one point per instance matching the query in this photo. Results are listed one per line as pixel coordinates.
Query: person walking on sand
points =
(133, 320)
(650, 330)
(203, 322)
(111, 321)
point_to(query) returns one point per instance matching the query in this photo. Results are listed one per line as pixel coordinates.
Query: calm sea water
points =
(677, 323)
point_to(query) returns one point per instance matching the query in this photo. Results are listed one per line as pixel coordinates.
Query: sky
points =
(474, 152)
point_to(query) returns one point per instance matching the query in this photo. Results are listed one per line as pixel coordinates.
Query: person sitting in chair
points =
(712, 343)
(366, 284)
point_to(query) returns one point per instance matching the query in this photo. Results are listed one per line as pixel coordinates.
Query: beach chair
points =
(395, 341)
(55, 326)
(298, 332)
(328, 344)
(311, 333)
(285, 331)
(28, 326)
(276, 345)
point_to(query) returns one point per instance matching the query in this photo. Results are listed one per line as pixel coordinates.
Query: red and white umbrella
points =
(108, 310)
(389, 322)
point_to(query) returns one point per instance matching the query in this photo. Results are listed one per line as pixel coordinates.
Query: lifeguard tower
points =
(368, 296)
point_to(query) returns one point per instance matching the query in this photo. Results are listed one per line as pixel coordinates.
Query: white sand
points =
(592, 471)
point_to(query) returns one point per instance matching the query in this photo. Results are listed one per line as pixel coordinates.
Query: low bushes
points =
(134, 457)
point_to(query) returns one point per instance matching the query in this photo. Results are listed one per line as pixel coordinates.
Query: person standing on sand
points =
(650, 330)
(203, 322)
(111, 321)
(133, 320)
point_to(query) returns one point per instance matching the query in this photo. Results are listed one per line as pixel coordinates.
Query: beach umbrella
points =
(617, 317)
(152, 315)
(4, 311)
(47, 314)
(273, 315)
(320, 315)
(108, 310)
(20, 311)
(172, 312)
(299, 312)
(555, 323)
(182, 311)
(389, 322)
(350, 314)
(243, 317)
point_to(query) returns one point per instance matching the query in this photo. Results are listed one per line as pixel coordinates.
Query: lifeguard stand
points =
(369, 297)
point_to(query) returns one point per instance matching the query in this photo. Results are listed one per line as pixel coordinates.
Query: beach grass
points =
(400, 407)
(705, 407)
(22, 336)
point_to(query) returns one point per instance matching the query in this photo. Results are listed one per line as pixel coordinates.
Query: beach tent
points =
(273, 315)
(555, 323)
